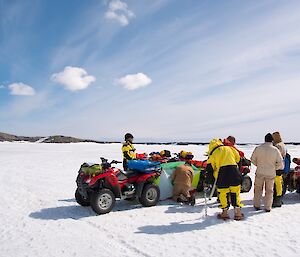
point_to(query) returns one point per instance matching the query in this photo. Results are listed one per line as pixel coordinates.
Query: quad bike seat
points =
(122, 175)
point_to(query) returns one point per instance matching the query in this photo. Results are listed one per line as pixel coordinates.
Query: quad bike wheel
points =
(103, 201)
(150, 195)
(246, 184)
(80, 199)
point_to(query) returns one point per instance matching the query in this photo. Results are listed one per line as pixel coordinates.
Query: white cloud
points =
(134, 81)
(21, 89)
(73, 78)
(116, 5)
(118, 10)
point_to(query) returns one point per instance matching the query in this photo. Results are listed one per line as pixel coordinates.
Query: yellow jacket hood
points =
(216, 142)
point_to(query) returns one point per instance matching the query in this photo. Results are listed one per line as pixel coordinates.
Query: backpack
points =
(90, 169)
(143, 166)
(287, 163)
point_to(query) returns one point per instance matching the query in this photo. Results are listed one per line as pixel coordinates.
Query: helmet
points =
(127, 136)
(165, 153)
(189, 156)
(182, 154)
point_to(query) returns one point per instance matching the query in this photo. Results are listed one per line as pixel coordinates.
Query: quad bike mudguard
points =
(107, 180)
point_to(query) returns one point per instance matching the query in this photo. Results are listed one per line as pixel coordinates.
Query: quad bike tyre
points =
(103, 201)
(80, 199)
(150, 195)
(289, 185)
(246, 184)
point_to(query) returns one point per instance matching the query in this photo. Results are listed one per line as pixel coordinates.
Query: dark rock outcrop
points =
(12, 138)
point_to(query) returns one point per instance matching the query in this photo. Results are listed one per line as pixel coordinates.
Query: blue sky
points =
(163, 70)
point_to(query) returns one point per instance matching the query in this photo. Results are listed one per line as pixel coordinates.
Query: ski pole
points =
(205, 201)
(212, 190)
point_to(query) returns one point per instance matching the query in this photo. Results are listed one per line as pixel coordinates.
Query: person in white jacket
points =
(268, 159)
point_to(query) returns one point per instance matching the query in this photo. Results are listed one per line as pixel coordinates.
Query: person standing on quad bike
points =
(128, 150)
(182, 179)
(267, 159)
(277, 192)
(222, 165)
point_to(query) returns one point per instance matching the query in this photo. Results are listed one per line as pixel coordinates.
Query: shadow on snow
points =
(77, 212)
(210, 220)
(62, 212)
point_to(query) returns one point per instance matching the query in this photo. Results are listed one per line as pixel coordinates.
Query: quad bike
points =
(246, 180)
(291, 180)
(98, 186)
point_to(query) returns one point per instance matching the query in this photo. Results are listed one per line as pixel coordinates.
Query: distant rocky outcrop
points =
(4, 137)
(64, 139)
(12, 138)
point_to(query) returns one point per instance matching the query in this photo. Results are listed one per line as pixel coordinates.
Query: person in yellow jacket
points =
(278, 182)
(222, 165)
(128, 150)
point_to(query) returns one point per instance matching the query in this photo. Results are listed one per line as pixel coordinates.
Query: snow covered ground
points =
(39, 215)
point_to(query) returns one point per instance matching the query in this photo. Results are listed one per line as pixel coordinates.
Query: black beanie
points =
(269, 138)
(127, 136)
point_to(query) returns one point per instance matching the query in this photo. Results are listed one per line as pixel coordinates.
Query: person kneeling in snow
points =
(182, 179)
(222, 164)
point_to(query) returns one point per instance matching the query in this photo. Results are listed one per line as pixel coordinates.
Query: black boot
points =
(277, 202)
(192, 200)
(182, 199)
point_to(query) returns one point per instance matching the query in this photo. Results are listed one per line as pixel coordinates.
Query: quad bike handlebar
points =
(115, 162)
(105, 161)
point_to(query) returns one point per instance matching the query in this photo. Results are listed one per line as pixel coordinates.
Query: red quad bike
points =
(246, 180)
(292, 178)
(101, 188)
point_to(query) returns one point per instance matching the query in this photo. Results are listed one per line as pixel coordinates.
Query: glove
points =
(209, 177)
(207, 187)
